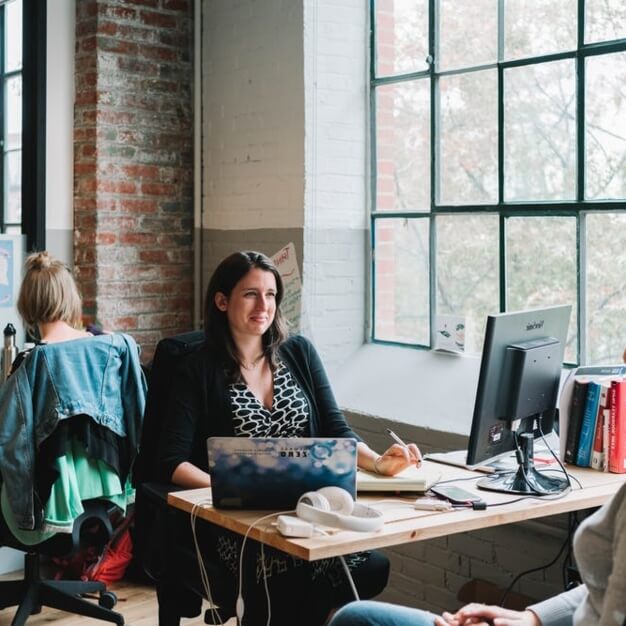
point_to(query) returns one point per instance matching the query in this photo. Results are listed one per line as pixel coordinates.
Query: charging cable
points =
(204, 578)
(239, 605)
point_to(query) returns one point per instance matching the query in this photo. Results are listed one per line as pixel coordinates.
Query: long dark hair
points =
(219, 339)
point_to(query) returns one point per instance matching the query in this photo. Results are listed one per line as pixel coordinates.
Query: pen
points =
(398, 440)
(395, 437)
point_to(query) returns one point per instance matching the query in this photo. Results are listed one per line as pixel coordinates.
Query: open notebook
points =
(410, 479)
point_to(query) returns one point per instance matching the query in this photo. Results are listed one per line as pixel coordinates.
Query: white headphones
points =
(333, 506)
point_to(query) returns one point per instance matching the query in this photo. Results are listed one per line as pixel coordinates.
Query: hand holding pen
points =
(398, 457)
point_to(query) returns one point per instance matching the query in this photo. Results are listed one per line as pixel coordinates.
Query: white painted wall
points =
(335, 253)
(253, 115)
(417, 387)
(60, 128)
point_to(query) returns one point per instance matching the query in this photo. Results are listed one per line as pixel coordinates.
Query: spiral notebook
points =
(272, 473)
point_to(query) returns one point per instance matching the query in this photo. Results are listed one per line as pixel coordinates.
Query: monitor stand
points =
(526, 480)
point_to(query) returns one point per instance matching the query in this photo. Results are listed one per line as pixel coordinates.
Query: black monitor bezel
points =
(503, 330)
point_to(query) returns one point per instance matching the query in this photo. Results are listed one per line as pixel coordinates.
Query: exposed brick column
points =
(133, 165)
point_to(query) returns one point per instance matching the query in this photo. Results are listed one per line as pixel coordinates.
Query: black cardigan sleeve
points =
(182, 434)
(305, 363)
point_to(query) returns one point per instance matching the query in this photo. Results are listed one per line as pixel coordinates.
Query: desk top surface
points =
(404, 524)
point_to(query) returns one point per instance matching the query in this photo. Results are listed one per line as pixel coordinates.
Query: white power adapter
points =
(290, 526)
(432, 504)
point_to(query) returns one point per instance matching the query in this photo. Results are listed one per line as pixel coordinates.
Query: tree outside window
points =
(499, 166)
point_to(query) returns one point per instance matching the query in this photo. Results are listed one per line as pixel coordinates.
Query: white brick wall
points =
(335, 238)
(253, 115)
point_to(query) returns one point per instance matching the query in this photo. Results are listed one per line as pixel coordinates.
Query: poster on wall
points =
(7, 260)
(287, 264)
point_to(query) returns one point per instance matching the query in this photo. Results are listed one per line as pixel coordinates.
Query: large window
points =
(11, 116)
(23, 119)
(499, 166)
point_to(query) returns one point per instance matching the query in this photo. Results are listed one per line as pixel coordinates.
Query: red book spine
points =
(617, 428)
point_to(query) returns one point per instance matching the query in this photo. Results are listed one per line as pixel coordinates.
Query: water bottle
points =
(9, 352)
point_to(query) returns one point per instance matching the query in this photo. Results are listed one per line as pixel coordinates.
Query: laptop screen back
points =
(272, 473)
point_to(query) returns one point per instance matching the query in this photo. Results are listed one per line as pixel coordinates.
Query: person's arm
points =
(176, 444)
(393, 460)
(188, 475)
(613, 612)
(484, 615)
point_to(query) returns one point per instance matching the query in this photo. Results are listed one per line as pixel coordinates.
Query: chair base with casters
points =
(33, 592)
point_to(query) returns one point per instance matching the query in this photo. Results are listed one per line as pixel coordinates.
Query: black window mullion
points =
(2, 101)
(34, 124)
(433, 38)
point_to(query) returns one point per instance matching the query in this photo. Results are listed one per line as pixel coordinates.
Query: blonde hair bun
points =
(38, 261)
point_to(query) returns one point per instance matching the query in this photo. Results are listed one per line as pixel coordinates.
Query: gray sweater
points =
(600, 550)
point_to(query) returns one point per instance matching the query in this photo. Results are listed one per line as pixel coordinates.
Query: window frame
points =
(577, 208)
(33, 166)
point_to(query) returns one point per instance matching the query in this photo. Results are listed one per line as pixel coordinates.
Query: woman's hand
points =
(483, 615)
(396, 458)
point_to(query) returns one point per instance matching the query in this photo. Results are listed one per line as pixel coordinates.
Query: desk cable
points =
(537, 569)
(203, 573)
(239, 605)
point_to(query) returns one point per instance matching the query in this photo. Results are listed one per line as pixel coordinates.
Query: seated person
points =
(600, 551)
(252, 380)
(71, 410)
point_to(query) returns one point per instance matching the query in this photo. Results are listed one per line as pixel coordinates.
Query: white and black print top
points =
(288, 416)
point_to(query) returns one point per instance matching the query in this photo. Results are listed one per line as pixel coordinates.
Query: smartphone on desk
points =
(455, 494)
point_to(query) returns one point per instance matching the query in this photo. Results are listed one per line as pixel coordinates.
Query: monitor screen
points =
(519, 378)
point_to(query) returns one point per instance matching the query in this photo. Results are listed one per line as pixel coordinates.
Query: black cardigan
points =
(200, 407)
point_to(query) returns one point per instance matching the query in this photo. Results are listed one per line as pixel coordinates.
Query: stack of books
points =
(593, 418)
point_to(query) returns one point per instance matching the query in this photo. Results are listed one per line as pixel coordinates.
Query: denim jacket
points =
(98, 376)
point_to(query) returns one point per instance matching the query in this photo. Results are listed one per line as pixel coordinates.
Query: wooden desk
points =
(403, 524)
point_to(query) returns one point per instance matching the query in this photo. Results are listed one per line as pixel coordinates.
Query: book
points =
(583, 374)
(597, 448)
(617, 428)
(577, 408)
(588, 424)
(410, 479)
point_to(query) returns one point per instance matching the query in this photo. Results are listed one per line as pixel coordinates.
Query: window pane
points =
(469, 138)
(13, 113)
(541, 267)
(403, 147)
(468, 33)
(12, 186)
(13, 33)
(467, 271)
(401, 298)
(540, 132)
(606, 289)
(605, 126)
(401, 36)
(605, 20)
(536, 27)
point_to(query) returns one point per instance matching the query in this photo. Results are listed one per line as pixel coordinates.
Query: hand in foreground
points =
(484, 615)
(397, 457)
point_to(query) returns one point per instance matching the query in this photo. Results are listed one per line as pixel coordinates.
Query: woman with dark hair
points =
(252, 380)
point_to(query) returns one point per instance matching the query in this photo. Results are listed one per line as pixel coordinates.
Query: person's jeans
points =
(370, 613)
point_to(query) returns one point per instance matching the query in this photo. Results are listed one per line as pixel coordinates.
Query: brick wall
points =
(133, 169)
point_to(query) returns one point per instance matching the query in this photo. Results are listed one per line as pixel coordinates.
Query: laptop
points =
(273, 472)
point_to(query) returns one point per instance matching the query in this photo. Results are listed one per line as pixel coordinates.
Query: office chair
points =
(33, 591)
(172, 566)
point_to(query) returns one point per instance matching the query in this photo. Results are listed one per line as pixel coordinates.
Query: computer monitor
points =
(517, 394)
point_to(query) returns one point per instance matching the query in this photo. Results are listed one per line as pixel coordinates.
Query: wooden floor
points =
(135, 602)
